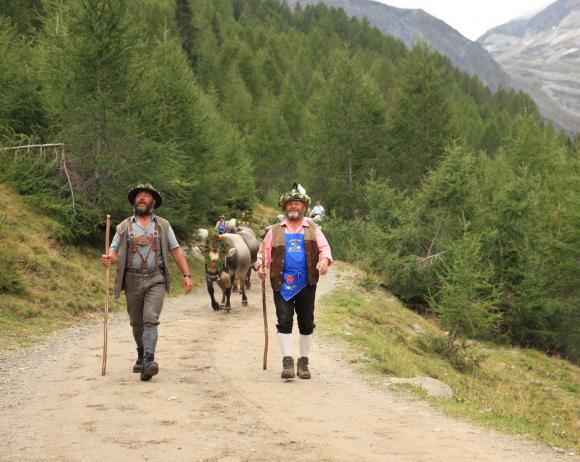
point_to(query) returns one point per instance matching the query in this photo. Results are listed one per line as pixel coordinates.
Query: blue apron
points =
(221, 228)
(295, 272)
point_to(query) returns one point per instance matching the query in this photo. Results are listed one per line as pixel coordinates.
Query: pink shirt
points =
(323, 247)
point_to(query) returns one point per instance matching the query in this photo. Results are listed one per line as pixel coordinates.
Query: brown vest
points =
(123, 229)
(279, 253)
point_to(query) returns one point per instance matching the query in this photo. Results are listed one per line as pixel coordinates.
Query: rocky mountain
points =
(412, 26)
(542, 55)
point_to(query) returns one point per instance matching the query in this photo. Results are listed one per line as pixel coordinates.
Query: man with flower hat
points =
(141, 249)
(296, 252)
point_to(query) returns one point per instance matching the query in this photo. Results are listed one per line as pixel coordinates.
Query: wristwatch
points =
(187, 276)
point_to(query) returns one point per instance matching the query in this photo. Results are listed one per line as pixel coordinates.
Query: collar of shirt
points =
(300, 227)
(153, 218)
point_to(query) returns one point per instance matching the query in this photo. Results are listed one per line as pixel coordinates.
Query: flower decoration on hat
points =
(297, 193)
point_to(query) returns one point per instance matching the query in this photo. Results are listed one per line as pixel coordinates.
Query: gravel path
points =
(213, 402)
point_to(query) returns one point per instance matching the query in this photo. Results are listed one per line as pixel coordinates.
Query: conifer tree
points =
(467, 300)
(196, 145)
(21, 111)
(88, 61)
(346, 136)
(422, 123)
(10, 76)
(187, 32)
(272, 149)
(236, 101)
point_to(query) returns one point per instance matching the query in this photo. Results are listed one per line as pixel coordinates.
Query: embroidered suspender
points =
(140, 241)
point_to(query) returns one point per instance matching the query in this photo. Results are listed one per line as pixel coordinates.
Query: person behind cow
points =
(220, 226)
(140, 248)
(296, 252)
(317, 212)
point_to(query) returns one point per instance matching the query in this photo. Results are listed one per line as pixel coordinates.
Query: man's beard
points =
(294, 215)
(143, 212)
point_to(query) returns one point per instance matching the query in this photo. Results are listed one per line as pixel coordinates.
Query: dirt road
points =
(212, 401)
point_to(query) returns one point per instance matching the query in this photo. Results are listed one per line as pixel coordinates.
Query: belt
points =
(139, 271)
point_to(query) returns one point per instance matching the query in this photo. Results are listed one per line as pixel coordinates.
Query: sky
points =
(472, 18)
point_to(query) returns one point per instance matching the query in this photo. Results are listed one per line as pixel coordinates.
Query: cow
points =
(231, 226)
(251, 241)
(227, 259)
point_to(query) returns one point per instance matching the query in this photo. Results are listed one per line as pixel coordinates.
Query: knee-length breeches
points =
(303, 304)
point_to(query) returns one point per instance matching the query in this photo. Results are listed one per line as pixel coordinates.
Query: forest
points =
(461, 201)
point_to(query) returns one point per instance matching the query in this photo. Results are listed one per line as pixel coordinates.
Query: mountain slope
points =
(412, 26)
(542, 55)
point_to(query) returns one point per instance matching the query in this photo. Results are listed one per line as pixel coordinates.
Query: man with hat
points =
(140, 248)
(296, 252)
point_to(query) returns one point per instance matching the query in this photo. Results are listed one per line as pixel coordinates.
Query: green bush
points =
(409, 280)
(463, 357)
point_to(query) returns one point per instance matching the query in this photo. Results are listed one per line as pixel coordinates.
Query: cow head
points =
(214, 250)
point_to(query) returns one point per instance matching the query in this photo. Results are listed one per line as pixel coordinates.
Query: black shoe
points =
(303, 371)
(150, 367)
(288, 367)
(139, 363)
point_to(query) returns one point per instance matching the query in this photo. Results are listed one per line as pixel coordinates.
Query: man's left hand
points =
(322, 266)
(187, 285)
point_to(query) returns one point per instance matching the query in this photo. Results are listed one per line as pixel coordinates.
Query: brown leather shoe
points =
(303, 371)
(288, 367)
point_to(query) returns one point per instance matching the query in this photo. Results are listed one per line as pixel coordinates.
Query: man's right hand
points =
(107, 260)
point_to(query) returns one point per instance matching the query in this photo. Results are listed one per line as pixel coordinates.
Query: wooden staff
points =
(265, 360)
(106, 314)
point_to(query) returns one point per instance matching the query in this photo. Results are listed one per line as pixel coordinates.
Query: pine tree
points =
(423, 121)
(196, 144)
(533, 216)
(187, 32)
(88, 62)
(10, 76)
(346, 135)
(467, 299)
(452, 185)
(272, 148)
(236, 101)
(21, 112)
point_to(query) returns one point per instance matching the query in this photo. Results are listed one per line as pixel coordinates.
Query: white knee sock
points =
(285, 341)
(305, 344)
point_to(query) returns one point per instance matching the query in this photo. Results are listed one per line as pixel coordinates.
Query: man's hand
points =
(322, 266)
(108, 260)
(187, 284)
(262, 273)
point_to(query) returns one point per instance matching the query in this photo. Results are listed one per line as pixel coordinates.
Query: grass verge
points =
(514, 390)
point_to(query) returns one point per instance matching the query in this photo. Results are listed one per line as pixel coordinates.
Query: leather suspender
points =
(136, 242)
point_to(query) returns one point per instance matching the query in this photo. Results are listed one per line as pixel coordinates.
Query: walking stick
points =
(106, 315)
(265, 360)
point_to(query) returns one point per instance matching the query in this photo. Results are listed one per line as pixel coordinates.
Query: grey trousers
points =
(145, 293)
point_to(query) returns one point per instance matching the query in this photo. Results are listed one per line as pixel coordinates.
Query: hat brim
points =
(133, 194)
